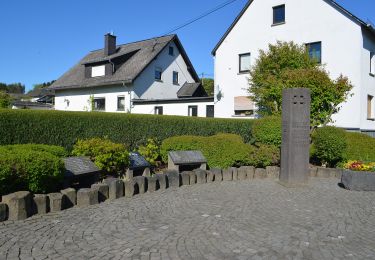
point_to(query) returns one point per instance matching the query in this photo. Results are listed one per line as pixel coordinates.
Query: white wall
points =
(145, 86)
(306, 21)
(177, 109)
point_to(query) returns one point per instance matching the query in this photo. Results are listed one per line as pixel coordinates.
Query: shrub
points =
(360, 147)
(107, 155)
(37, 171)
(267, 130)
(329, 145)
(151, 151)
(52, 149)
(65, 128)
(264, 155)
(222, 150)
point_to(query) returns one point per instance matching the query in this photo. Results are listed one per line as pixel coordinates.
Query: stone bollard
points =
(141, 182)
(56, 202)
(129, 188)
(151, 183)
(273, 172)
(3, 211)
(173, 179)
(313, 172)
(103, 191)
(250, 172)
(146, 172)
(201, 176)
(210, 176)
(218, 174)
(228, 174)
(116, 188)
(260, 173)
(234, 173)
(40, 204)
(70, 197)
(161, 179)
(242, 173)
(185, 178)
(87, 197)
(19, 205)
(193, 178)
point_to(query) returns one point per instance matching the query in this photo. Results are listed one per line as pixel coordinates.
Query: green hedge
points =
(65, 128)
(27, 168)
(267, 130)
(360, 147)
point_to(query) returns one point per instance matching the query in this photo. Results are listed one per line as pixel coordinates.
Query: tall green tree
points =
(288, 65)
(208, 85)
(43, 85)
(5, 99)
(13, 88)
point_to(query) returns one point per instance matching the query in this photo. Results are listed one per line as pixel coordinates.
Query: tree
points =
(43, 85)
(208, 85)
(288, 65)
(14, 88)
(5, 99)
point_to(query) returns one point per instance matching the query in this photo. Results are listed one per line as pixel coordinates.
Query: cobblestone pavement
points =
(231, 220)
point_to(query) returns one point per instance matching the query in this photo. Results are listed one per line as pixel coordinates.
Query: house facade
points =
(341, 41)
(153, 76)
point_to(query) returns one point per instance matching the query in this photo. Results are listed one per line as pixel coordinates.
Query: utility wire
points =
(217, 8)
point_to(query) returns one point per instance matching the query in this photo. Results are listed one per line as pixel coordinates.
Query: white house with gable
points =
(339, 39)
(153, 76)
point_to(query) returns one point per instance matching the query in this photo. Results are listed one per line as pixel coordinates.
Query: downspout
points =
(130, 98)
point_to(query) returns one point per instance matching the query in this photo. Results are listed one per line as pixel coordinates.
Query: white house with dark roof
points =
(333, 35)
(153, 76)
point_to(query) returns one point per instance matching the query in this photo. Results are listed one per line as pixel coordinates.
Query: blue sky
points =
(41, 39)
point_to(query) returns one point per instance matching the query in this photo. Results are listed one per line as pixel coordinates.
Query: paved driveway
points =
(231, 220)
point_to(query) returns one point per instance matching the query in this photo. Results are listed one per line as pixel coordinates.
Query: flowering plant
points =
(360, 166)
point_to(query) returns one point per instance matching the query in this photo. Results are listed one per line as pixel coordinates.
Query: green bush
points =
(150, 151)
(107, 155)
(264, 155)
(329, 146)
(222, 150)
(360, 147)
(36, 171)
(267, 130)
(52, 149)
(65, 128)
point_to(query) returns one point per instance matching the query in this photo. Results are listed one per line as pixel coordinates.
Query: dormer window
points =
(98, 71)
(171, 51)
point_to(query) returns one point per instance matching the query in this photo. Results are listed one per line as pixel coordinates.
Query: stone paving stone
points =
(218, 174)
(116, 188)
(40, 204)
(161, 180)
(227, 174)
(141, 182)
(3, 211)
(19, 205)
(173, 179)
(185, 178)
(103, 191)
(87, 197)
(56, 202)
(201, 176)
(273, 172)
(260, 173)
(151, 183)
(70, 197)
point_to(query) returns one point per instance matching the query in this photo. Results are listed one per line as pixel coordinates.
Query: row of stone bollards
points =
(21, 205)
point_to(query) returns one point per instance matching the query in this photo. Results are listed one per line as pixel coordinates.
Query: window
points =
(279, 14)
(158, 72)
(99, 104)
(372, 63)
(175, 77)
(171, 51)
(98, 71)
(120, 103)
(243, 106)
(244, 61)
(193, 111)
(210, 111)
(369, 107)
(158, 110)
(315, 51)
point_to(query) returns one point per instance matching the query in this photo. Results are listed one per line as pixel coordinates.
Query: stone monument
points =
(295, 137)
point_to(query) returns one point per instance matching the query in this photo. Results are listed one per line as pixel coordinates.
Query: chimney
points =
(109, 44)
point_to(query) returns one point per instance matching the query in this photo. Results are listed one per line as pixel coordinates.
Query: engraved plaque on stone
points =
(295, 137)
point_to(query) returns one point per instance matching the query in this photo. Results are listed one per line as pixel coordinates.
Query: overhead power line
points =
(217, 8)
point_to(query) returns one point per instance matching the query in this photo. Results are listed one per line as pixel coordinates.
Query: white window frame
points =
(372, 63)
(118, 103)
(98, 71)
(370, 107)
(98, 98)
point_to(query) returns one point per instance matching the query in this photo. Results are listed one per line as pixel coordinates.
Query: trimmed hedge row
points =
(65, 128)
(360, 147)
